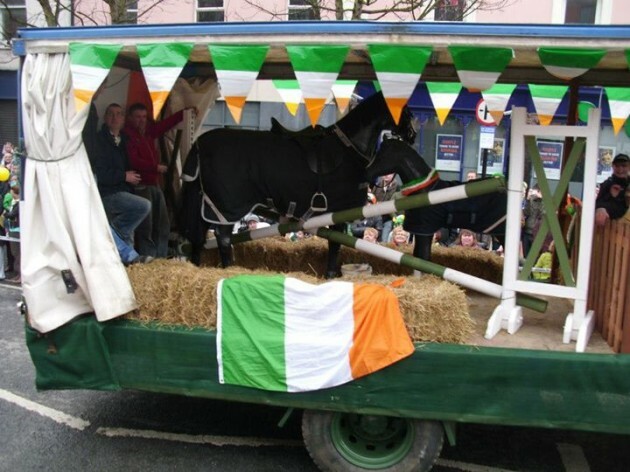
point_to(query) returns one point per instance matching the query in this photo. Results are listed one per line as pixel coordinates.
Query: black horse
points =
(481, 214)
(230, 173)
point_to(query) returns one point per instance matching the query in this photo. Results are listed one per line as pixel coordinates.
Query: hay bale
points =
(172, 292)
(309, 256)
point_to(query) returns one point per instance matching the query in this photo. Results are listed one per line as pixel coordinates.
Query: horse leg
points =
(332, 270)
(223, 235)
(422, 246)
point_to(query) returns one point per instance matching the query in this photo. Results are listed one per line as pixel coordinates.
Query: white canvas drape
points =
(63, 224)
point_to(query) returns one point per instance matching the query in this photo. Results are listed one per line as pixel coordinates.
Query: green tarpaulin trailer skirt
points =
(445, 382)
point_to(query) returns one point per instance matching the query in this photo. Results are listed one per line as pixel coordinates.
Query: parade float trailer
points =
(76, 289)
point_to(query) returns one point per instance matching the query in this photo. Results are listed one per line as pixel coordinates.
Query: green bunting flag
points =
(398, 69)
(479, 68)
(546, 99)
(443, 95)
(619, 101)
(161, 65)
(89, 65)
(497, 98)
(290, 93)
(343, 90)
(237, 67)
(568, 63)
(316, 69)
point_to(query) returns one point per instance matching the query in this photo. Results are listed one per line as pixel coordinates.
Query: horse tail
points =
(189, 223)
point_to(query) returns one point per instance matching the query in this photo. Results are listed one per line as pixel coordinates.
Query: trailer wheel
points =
(351, 442)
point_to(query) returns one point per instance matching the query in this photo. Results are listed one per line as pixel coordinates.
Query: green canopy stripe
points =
(238, 57)
(481, 59)
(401, 59)
(94, 55)
(323, 58)
(164, 54)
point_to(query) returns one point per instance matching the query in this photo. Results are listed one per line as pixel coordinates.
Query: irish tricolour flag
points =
(619, 101)
(161, 65)
(478, 68)
(568, 63)
(316, 69)
(89, 65)
(282, 334)
(237, 67)
(398, 69)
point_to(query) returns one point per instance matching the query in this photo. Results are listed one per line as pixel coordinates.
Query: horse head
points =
(395, 156)
(364, 125)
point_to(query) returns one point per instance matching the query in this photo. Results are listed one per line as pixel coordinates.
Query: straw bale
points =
(309, 256)
(173, 292)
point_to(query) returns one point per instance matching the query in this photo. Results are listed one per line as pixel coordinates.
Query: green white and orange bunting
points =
(619, 101)
(316, 68)
(443, 95)
(237, 68)
(479, 68)
(290, 93)
(546, 99)
(568, 63)
(497, 98)
(398, 69)
(342, 91)
(161, 65)
(89, 66)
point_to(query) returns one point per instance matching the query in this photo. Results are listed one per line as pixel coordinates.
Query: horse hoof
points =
(332, 274)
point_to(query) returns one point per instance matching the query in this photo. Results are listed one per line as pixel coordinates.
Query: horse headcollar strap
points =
(346, 141)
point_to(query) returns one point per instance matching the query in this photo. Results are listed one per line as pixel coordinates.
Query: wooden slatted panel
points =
(609, 285)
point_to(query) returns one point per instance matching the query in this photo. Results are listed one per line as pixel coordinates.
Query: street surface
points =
(140, 431)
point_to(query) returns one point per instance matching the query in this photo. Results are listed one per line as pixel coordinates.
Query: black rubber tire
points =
(317, 433)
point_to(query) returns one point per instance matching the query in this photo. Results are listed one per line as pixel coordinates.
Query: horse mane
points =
(363, 124)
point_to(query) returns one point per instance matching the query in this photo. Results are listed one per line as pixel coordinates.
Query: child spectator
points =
(370, 235)
(467, 238)
(544, 265)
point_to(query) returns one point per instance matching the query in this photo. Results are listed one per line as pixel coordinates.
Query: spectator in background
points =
(399, 237)
(12, 222)
(471, 175)
(543, 264)
(467, 238)
(611, 200)
(384, 190)
(370, 235)
(358, 227)
(153, 232)
(532, 216)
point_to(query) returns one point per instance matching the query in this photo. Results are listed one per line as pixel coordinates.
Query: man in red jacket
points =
(144, 157)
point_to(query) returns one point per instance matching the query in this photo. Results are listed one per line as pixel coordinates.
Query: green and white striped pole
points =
(451, 275)
(459, 192)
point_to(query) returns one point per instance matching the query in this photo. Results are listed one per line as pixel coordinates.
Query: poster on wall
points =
(551, 155)
(496, 155)
(448, 152)
(604, 163)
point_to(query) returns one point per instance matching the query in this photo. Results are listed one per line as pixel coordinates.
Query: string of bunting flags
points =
(398, 69)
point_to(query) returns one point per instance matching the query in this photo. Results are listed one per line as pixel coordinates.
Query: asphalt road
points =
(140, 431)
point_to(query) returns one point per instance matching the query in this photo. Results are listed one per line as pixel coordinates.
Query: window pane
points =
(132, 5)
(210, 4)
(15, 3)
(580, 11)
(10, 23)
(299, 3)
(302, 14)
(131, 17)
(210, 16)
(450, 10)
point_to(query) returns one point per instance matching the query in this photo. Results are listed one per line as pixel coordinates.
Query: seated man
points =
(114, 177)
